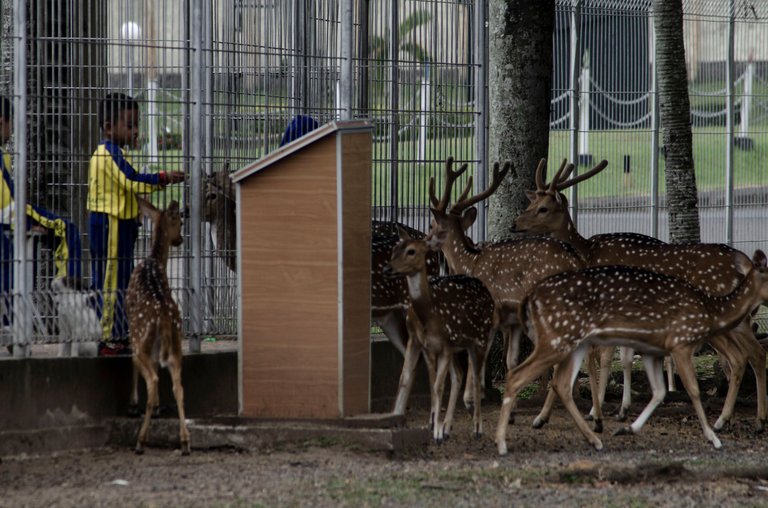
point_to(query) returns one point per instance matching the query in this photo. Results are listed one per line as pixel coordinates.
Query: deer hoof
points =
(623, 431)
(478, 435)
(621, 417)
(760, 426)
(470, 408)
(139, 450)
(538, 423)
(185, 449)
(589, 417)
(599, 426)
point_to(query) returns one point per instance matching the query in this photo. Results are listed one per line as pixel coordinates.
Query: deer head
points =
(548, 211)
(166, 230)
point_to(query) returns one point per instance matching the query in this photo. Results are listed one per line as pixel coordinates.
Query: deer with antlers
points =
(510, 268)
(445, 314)
(713, 268)
(618, 305)
(154, 318)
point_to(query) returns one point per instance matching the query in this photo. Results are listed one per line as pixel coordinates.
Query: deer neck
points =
(161, 246)
(460, 254)
(729, 310)
(570, 235)
(421, 294)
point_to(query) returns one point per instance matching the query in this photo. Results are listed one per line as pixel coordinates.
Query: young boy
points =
(113, 213)
(60, 234)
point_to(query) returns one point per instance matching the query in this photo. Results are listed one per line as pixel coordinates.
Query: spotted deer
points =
(510, 268)
(445, 315)
(617, 305)
(389, 295)
(713, 268)
(154, 318)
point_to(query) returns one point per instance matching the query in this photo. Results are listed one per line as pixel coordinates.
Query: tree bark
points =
(520, 82)
(675, 112)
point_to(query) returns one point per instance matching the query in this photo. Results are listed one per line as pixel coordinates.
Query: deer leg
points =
(456, 382)
(475, 366)
(546, 410)
(431, 362)
(737, 361)
(133, 402)
(626, 355)
(533, 367)
(654, 371)
(438, 385)
(411, 359)
(684, 362)
(469, 388)
(149, 374)
(757, 362)
(562, 382)
(174, 366)
(512, 335)
(669, 366)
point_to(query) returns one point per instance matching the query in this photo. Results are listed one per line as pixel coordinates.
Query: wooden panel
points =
(356, 221)
(289, 287)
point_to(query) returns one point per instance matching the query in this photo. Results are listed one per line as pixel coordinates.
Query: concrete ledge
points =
(371, 433)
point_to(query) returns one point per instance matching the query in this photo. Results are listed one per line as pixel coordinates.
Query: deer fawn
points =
(616, 305)
(219, 212)
(711, 267)
(154, 318)
(445, 314)
(389, 295)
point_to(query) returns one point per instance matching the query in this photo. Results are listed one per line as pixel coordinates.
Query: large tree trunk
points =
(520, 82)
(675, 120)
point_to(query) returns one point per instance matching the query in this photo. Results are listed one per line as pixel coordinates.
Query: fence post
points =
(743, 140)
(394, 100)
(196, 85)
(729, 129)
(574, 120)
(347, 52)
(654, 134)
(22, 323)
(481, 106)
(424, 101)
(584, 155)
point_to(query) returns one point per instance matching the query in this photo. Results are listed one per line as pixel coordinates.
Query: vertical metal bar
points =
(347, 42)
(729, 177)
(481, 106)
(22, 324)
(364, 61)
(196, 85)
(654, 134)
(575, 73)
(394, 100)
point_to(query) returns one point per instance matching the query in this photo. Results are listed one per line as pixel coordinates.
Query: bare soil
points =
(668, 464)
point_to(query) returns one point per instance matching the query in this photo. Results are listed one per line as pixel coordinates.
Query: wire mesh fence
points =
(218, 82)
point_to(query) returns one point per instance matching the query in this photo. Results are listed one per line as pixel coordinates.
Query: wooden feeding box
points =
(304, 264)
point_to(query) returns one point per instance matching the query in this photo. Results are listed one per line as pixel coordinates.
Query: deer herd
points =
(573, 297)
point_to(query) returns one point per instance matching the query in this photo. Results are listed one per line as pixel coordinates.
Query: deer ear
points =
(759, 259)
(148, 208)
(402, 233)
(559, 198)
(531, 195)
(468, 218)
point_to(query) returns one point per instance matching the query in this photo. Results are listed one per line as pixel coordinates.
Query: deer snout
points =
(388, 271)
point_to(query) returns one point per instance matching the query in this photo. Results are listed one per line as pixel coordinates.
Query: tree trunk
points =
(676, 121)
(520, 82)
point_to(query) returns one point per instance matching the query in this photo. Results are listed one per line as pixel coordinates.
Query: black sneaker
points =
(114, 349)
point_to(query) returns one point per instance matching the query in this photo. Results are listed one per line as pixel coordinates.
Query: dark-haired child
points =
(113, 184)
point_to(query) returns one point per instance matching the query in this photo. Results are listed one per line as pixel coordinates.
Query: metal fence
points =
(218, 82)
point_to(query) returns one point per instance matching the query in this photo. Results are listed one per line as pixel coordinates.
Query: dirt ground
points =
(668, 464)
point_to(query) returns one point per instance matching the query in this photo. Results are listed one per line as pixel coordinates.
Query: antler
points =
(498, 176)
(559, 182)
(450, 177)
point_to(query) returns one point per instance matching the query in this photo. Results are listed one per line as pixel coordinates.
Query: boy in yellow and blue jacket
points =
(61, 235)
(113, 184)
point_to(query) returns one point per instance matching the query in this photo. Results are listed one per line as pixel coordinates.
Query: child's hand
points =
(171, 177)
